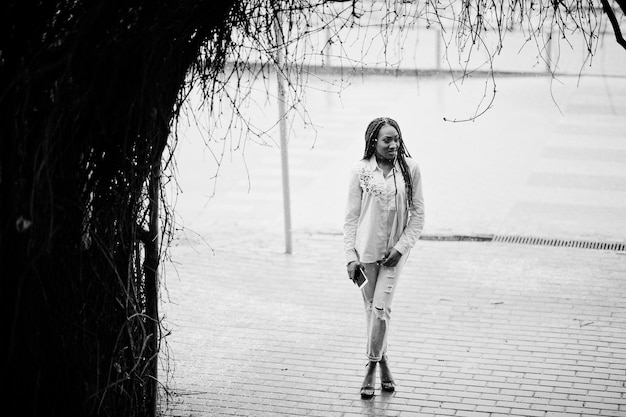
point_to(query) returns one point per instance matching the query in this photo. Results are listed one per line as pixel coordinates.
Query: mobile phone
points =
(360, 279)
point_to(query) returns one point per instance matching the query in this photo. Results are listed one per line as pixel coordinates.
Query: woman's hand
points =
(352, 266)
(391, 258)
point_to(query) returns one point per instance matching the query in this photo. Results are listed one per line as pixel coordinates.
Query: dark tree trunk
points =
(88, 90)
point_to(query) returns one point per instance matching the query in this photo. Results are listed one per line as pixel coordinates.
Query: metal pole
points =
(548, 46)
(327, 46)
(284, 151)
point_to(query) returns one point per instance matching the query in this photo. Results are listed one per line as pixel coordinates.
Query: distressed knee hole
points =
(380, 311)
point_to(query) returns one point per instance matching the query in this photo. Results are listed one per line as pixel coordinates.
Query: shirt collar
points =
(374, 165)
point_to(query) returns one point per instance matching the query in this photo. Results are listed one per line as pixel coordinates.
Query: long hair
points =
(371, 137)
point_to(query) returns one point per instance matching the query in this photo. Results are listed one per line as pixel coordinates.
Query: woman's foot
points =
(367, 389)
(386, 379)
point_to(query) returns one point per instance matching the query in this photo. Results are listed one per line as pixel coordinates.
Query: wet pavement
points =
(548, 159)
(479, 328)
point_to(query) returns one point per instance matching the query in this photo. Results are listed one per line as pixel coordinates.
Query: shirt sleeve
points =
(352, 214)
(414, 228)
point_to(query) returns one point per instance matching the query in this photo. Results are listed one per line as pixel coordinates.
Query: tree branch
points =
(614, 23)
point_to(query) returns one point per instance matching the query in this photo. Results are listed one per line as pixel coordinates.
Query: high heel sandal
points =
(387, 383)
(388, 386)
(367, 390)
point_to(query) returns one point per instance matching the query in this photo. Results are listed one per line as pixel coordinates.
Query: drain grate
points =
(531, 240)
(568, 243)
(458, 238)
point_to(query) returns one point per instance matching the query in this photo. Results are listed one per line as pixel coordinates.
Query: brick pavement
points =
(479, 329)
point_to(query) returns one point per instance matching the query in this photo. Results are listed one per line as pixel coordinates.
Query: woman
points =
(384, 218)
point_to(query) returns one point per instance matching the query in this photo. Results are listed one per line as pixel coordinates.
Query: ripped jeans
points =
(377, 296)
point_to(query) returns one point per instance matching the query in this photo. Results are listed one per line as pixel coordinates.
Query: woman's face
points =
(388, 142)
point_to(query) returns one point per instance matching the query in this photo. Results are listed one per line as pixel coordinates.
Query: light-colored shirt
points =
(377, 216)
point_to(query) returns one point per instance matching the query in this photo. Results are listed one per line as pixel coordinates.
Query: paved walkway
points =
(479, 328)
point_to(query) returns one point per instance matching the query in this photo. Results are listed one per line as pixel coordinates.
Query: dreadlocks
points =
(371, 137)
